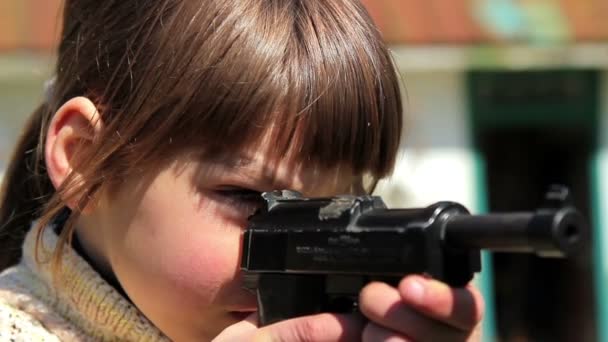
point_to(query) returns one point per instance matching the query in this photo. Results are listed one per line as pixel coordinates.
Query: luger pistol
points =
(309, 255)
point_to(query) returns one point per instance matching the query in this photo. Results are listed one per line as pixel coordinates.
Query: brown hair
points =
(172, 74)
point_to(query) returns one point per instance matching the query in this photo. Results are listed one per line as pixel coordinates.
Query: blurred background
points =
(504, 98)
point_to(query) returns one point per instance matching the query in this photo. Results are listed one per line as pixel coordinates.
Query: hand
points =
(439, 313)
(323, 327)
(421, 309)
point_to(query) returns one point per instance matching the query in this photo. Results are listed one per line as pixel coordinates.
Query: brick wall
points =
(34, 24)
(29, 24)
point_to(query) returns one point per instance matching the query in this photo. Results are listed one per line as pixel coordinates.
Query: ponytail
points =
(25, 189)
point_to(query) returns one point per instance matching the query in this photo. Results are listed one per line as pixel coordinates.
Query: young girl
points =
(126, 199)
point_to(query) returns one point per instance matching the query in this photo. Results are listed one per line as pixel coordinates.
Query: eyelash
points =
(244, 201)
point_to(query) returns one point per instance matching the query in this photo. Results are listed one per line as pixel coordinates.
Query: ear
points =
(73, 127)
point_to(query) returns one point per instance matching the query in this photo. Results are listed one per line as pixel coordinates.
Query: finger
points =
(373, 332)
(383, 305)
(316, 328)
(459, 307)
(248, 326)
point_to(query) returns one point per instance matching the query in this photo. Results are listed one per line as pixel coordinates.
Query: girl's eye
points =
(244, 201)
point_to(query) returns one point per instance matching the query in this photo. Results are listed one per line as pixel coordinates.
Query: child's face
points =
(173, 239)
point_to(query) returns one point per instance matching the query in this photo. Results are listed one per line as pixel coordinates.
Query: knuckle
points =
(368, 291)
(480, 306)
(375, 299)
(261, 335)
(313, 329)
(373, 332)
(471, 308)
(366, 299)
(369, 333)
(441, 303)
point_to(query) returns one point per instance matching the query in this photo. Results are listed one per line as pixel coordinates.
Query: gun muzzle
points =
(546, 232)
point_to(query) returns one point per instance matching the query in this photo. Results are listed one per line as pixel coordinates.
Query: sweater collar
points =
(82, 296)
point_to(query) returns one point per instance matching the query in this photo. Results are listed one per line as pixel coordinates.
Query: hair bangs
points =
(307, 74)
(211, 76)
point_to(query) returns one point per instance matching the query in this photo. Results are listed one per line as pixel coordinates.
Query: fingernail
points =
(415, 291)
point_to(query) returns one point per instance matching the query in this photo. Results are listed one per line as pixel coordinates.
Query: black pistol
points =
(304, 256)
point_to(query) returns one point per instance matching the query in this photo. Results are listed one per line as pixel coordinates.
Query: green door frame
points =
(483, 114)
(600, 246)
(486, 277)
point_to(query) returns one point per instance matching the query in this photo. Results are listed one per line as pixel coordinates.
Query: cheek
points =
(205, 261)
(201, 249)
(186, 244)
(177, 255)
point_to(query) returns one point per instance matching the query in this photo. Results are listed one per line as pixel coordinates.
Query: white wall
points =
(21, 88)
(600, 235)
(436, 162)
(602, 157)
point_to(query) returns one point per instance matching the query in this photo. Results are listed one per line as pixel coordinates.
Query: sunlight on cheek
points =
(204, 264)
(207, 253)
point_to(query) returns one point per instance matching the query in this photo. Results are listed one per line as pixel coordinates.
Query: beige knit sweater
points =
(85, 308)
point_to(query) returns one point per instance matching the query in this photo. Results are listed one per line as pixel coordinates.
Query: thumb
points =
(323, 327)
(236, 332)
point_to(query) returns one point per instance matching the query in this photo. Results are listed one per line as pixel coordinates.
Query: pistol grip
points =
(284, 296)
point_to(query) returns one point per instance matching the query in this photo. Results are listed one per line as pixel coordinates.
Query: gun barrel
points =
(547, 232)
